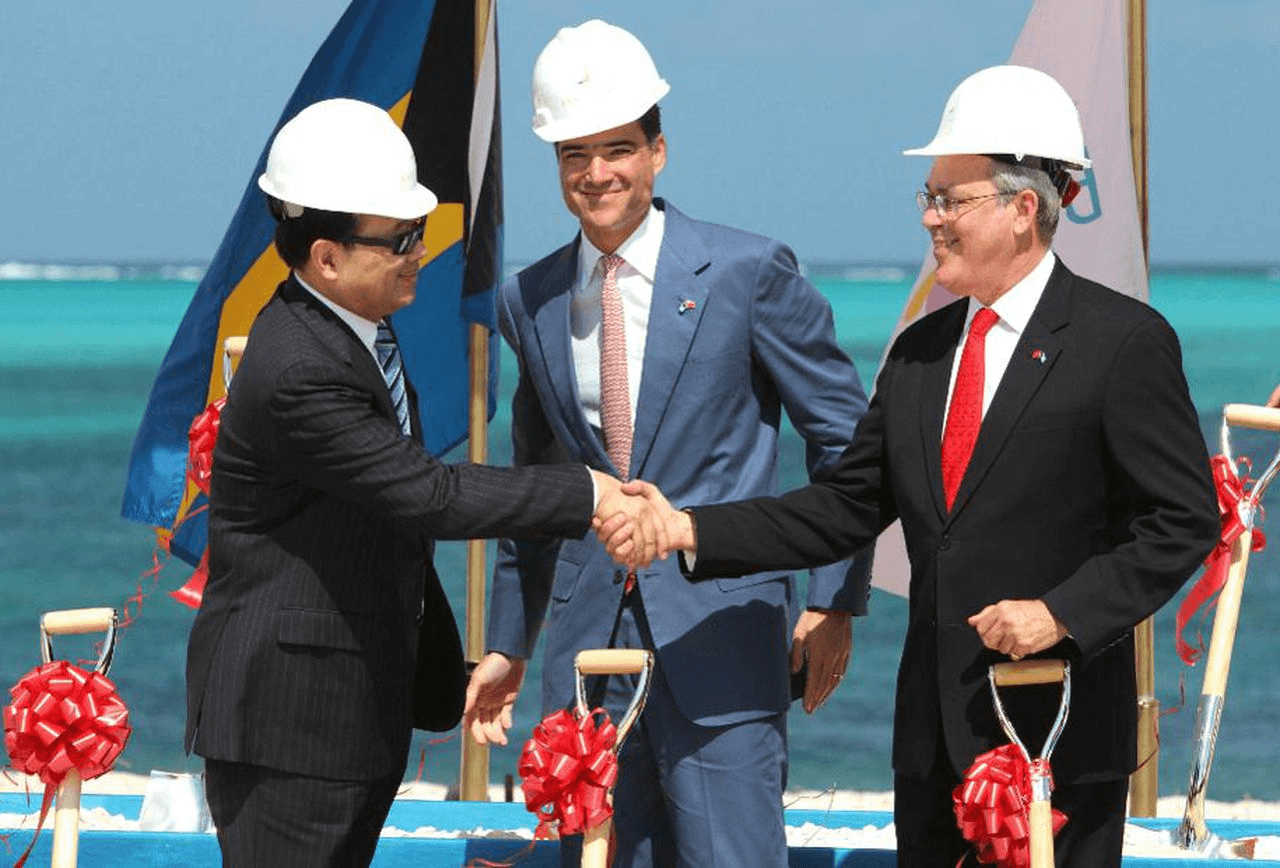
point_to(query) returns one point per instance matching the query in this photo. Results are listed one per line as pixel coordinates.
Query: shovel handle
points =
(1021, 672)
(66, 822)
(1041, 819)
(1252, 416)
(595, 845)
(77, 621)
(612, 661)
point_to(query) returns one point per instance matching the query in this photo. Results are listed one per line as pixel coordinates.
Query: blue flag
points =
(433, 66)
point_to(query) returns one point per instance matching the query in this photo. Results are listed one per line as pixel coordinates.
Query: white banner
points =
(1082, 44)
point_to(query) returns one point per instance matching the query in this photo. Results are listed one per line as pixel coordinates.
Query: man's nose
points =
(598, 170)
(930, 219)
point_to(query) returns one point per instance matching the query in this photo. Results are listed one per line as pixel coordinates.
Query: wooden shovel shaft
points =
(1194, 832)
(66, 823)
(1041, 818)
(595, 844)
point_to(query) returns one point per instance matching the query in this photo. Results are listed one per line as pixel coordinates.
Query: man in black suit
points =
(1069, 497)
(324, 636)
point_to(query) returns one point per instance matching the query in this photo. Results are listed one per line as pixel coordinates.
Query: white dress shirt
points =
(1014, 309)
(635, 285)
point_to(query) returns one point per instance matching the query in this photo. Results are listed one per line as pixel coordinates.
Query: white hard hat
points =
(1010, 110)
(592, 78)
(349, 156)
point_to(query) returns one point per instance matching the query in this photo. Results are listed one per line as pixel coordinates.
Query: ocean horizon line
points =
(851, 270)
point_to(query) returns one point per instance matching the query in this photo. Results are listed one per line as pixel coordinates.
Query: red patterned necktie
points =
(965, 415)
(615, 391)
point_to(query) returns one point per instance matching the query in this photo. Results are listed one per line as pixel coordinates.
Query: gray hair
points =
(1011, 179)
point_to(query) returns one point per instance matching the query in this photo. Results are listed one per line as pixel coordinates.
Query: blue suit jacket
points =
(757, 338)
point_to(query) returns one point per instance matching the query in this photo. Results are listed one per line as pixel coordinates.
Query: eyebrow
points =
(603, 146)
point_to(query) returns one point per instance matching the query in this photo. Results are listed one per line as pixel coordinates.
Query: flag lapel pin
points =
(687, 305)
(1039, 356)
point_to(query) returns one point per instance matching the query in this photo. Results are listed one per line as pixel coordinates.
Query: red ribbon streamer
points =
(201, 438)
(992, 807)
(63, 718)
(1231, 491)
(568, 768)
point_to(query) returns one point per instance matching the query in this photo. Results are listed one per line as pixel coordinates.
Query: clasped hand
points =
(637, 524)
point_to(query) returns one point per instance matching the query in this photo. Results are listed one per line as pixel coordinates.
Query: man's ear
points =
(326, 257)
(1026, 205)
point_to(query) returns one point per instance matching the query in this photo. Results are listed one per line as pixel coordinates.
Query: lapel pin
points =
(687, 305)
(1039, 356)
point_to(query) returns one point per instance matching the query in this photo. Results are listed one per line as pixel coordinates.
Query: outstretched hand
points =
(672, 528)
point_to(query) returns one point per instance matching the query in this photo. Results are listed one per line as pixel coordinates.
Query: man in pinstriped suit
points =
(324, 636)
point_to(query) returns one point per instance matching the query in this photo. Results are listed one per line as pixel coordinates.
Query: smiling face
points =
(985, 246)
(607, 181)
(366, 279)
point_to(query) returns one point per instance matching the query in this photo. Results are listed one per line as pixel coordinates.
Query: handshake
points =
(637, 524)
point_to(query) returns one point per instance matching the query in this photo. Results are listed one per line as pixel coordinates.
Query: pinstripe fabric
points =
(304, 655)
(254, 811)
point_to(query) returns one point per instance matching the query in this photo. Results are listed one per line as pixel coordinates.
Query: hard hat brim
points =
(590, 123)
(933, 149)
(413, 204)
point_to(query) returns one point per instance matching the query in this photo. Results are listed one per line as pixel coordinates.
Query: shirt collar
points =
(640, 250)
(1016, 306)
(365, 330)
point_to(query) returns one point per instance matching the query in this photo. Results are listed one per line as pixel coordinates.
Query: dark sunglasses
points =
(397, 244)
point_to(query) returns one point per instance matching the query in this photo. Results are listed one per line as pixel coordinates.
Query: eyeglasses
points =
(397, 244)
(945, 206)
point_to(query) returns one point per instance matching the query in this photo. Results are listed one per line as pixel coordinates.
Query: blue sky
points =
(128, 130)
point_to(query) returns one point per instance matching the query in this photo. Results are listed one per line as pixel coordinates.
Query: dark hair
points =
(651, 124)
(295, 235)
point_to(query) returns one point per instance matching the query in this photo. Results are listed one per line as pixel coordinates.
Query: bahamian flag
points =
(434, 67)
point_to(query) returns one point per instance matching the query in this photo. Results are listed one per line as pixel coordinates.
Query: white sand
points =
(1138, 841)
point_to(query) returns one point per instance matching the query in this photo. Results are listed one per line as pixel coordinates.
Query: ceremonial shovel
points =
(66, 817)
(1040, 812)
(1193, 834)
(610, 661)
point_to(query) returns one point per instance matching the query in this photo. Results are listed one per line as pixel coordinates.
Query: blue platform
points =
(109, 849)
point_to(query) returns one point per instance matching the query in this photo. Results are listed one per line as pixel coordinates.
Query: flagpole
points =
(1144, 786)
(473, 777)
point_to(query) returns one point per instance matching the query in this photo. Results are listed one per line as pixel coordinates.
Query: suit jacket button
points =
(618, 576)
(944, 543)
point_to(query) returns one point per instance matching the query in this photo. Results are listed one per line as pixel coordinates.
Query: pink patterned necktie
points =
(965, 416)
(615, 392)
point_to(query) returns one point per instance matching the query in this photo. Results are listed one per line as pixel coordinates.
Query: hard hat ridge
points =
(347, 156)
(591, 78)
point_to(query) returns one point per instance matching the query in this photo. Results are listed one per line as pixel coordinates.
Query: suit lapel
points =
(1037, 351)
(675, 312)
(340, 341)
(932, 406)
(549, 303)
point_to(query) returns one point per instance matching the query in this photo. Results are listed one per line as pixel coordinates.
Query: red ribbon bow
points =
(991, 806)
(568, 768)
(1231, 491)
(61, 718)
(200, 439)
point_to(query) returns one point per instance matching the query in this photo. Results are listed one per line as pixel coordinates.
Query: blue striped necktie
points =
(393, 372)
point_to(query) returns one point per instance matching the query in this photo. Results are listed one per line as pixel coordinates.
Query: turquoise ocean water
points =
(77, 359)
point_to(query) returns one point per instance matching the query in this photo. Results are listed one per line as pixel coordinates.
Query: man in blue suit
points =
(718, 332)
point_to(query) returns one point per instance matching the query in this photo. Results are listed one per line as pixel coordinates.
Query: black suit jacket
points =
(321, 593)
(1089, 487)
